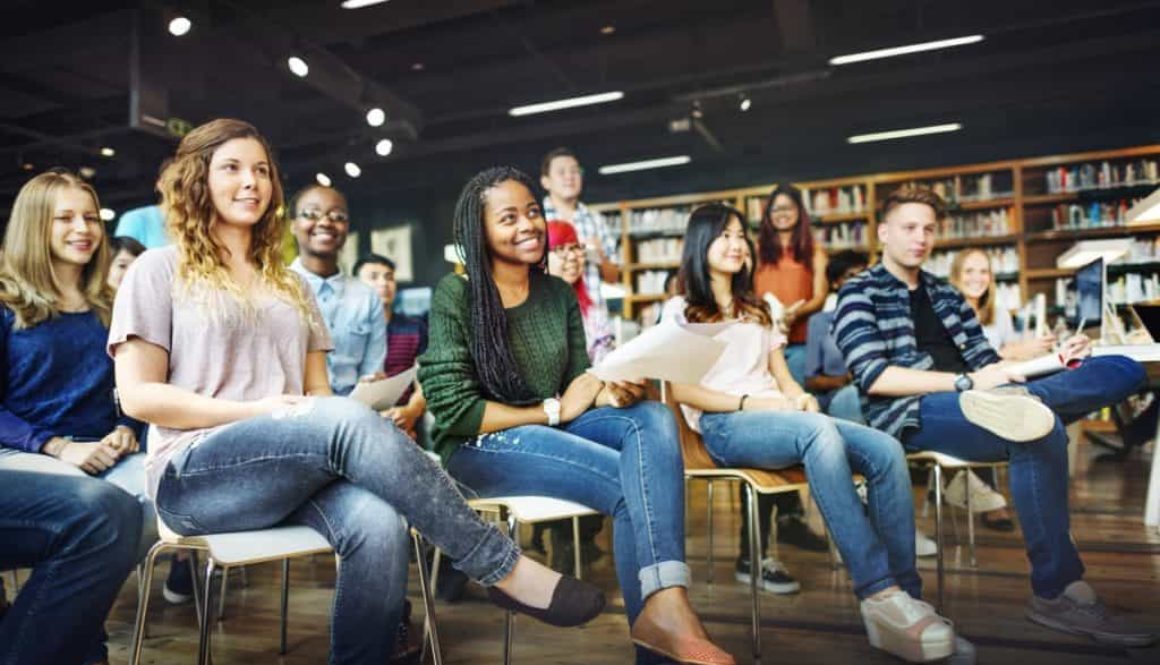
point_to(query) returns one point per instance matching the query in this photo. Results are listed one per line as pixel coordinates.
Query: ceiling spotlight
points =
(86, 172)
(746, 103)
(322, 179)
(697, 112)
(384, 147)
(417, 67)
(107, 152)
(28, 166)
(297, 66)
(180, 26)
(108, 214)
(608, 29)
(376, 117)
(352, 169)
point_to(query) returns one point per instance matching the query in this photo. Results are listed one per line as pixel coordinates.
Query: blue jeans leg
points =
(795, 358)
(1038, 481)
(371, 539)
(831, 450)
(620, 462)
(80, 537)
(1096, 383)
(846, 404)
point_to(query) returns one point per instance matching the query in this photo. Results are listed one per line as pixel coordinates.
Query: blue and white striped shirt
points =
(874, 330)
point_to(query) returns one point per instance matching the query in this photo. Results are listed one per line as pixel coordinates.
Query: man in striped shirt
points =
(928, 376)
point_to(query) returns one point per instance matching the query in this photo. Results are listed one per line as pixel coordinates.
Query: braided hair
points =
(494, 364)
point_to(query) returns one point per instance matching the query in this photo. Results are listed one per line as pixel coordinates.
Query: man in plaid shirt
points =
(928, 376)
(563, 179)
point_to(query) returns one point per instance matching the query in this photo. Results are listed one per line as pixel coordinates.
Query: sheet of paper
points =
(1048, 364)
(384, 394)
(667, 352)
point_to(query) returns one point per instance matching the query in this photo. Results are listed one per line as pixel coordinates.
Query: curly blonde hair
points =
(190, 217)
(28, 284)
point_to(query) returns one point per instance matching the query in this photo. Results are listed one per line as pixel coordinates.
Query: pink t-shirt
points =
(226, 350)
(743, 368)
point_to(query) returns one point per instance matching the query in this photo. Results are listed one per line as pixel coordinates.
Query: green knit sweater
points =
(546, 337)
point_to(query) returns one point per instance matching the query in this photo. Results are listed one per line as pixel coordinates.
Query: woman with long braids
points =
(516, 412)
(222, 348)
(751, 413)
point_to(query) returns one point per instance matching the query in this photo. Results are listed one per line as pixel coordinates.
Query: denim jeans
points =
(80, 536)
(877, 545)
(621, 462)
(845, 403)
(335, 465)
(795, 359)
(1038, 469)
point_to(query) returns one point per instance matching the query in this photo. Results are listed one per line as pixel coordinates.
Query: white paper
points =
(1047, 364)
(385, 393)
(667, 352)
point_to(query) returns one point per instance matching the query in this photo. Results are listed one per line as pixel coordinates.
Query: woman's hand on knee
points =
(579, 396)
(620, 394)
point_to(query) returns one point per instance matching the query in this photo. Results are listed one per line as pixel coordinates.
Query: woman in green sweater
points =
(516, 412)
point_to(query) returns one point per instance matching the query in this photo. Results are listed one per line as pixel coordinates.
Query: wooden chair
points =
(700, 466)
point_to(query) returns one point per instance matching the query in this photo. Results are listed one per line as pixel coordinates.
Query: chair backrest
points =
(692, 447)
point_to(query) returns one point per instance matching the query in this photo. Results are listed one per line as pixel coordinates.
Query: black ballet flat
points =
(1004, 524)
(574, 603)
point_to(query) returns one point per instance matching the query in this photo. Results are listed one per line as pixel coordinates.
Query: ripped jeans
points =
(335, 465)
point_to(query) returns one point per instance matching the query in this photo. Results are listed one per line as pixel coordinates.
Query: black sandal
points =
(574, 603)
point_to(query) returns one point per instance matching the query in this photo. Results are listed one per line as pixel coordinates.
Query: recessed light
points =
(571, 102)
(905, 133)
(376, 117)
(608, 29)
(384, 147)
(661, 162)
(297, 66)
(352, 169)
(322, 179)
(108, 214)
(86, 172)
(746, 103)
(180, 26)
(904, 50)
(28, 166)
(417, 67)
(107, 152)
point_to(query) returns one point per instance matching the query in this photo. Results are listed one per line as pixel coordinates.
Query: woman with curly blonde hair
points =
(221, 347)
(57, 412)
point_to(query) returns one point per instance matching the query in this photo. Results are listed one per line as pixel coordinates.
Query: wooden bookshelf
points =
(977, 194)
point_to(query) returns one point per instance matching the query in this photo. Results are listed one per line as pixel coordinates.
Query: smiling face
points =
(975, 275)
(76, 231)
(784, 213)
(321, 222)
(727, 252)
(567, 262)
(513, 225)
(565, 179)
(907, 234)
(239, 182)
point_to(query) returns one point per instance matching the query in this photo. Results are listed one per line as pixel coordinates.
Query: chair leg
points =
(709, 521)
(198, 606)
(754, 569)
(576, 567)
(430, 631)
(203, 638)
(285, 602)
(509, 625)
(146, 582)
(222, 599)
(970, 527)
(929, 489)
(938, 533)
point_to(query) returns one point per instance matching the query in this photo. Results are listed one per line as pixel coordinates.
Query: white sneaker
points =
(1008, 413)
(924, 546)
(907, 628)
(984, 498)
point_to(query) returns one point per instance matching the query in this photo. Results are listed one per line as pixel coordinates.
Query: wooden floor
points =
(819, 625)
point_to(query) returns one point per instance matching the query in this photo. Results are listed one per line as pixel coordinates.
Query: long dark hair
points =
(706, 224)
(494, 364)
(801, 243)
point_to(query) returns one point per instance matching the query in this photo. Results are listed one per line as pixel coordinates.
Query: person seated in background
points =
(406, 340)
(751, 413)
(352, 312)
(124, 250)
(825, 368)
(81, 537)
(929, 377)
(58, 413)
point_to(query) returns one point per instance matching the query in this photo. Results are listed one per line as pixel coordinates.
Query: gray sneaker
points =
(1080, 612)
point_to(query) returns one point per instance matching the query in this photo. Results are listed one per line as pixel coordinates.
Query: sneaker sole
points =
(174, 598)
(1101, 637)
(786, 589)
(1012, 417)
(905, 648)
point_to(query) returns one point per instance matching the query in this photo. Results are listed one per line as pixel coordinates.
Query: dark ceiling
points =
(1050, 76)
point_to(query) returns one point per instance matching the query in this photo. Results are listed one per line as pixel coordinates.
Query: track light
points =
(108, 214)
(180, 26)
(107, 152)
(376, 117)
(297, 66)
(746, 103)
(322, 179)
(384, 147)
(352, 169)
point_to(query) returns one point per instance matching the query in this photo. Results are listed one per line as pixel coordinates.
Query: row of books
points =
(980, 224)
(1082, 177)
(1091, 215)
(969, 188)
(843, 235)
(651, 282)
(659, 250)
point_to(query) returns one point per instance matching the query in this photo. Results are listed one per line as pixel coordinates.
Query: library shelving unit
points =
(1025, 213)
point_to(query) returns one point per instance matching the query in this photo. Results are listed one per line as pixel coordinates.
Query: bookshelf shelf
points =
(980, 241)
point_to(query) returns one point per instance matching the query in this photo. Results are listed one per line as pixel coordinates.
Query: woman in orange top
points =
(791, 267)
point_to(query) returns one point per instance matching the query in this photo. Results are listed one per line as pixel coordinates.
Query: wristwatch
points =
(964, 382)
(552, 408)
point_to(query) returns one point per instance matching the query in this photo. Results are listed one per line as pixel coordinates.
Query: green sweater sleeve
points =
(446, 370)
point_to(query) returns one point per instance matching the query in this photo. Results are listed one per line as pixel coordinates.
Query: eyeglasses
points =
(314, 214)
(783, 210)
(564, 250)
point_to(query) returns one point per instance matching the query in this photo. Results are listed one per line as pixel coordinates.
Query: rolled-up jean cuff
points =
(479, 563)
(875, 587)
(662, 576)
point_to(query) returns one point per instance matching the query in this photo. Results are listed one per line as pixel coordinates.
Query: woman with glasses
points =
(567, 260)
